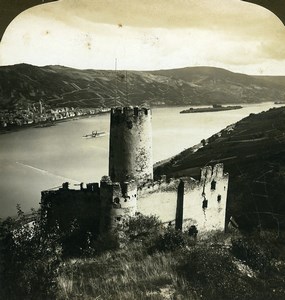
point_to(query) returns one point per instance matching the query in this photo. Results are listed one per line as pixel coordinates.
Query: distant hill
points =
(62, 86)
(253, 152)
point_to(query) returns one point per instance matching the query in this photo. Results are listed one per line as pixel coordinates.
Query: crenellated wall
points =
(97, 208)
(66, 206)
(202, 203)
(183, 202)
(124, 201)
(118, 201)
(205, 201)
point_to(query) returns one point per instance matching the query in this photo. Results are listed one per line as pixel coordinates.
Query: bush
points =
(212, 274)
(169, 240)
(251, 253)
(75, 241)
(106, 242)
(29, 259)
(141, 227)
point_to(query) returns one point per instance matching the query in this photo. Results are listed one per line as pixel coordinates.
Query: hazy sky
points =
(148, 34)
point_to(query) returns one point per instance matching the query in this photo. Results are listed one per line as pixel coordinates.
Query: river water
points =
(37, 159)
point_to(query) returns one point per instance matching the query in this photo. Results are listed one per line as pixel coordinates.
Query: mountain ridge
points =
(23, 84)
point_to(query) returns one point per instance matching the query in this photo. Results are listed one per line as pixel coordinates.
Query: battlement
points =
(119, 200)
(208, 173)
(106, 181)
(65, 188)
(130, 111)
(118, 189)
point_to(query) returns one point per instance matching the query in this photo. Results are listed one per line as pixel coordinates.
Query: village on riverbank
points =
(42, 115)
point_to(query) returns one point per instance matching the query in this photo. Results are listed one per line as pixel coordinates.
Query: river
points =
(37, 159)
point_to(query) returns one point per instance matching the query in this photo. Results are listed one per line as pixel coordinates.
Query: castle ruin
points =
(130, 188)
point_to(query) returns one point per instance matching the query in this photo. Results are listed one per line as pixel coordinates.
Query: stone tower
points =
(130, 155)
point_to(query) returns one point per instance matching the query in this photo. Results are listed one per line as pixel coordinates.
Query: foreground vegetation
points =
(143, 260)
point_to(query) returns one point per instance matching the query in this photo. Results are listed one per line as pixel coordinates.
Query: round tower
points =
(130, 155)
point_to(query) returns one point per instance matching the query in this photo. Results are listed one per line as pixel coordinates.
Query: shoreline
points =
(16, 128)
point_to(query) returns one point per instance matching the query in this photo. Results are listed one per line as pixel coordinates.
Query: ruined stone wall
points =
(183, 202)
(201, 203)
(159, 198)
(96, 209)
(118, 202)
(106, 198)
(205, 201)
(66, 206)
(124, 202)
(130, 155)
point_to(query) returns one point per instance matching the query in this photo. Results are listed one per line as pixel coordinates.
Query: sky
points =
(147, 35)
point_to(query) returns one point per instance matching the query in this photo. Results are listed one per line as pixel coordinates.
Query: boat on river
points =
(95, 134)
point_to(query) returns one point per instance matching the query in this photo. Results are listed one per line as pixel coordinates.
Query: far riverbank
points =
(16, 128)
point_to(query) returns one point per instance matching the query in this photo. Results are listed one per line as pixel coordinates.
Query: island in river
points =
(215, 107)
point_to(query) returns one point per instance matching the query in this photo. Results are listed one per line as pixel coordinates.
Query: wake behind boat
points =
(95, 134)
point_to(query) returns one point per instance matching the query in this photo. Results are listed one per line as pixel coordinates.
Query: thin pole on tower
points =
(127, 92)
(116, 83)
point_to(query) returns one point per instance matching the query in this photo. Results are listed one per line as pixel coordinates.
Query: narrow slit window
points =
(205, 204)
(213, 185)
(219, 198)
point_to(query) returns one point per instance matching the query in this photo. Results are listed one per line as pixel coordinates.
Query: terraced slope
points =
(61, 86)
(253, 152)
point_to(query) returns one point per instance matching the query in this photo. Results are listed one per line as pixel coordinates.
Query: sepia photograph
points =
(142, 149)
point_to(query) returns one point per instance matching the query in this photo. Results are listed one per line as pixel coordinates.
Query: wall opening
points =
(205, 204)
(130, 124)
(213, 185)
(219, 198)
(179, 206)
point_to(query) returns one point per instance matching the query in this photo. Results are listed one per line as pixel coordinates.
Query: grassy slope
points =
(152, 262)
(253, 152)
(211, 269)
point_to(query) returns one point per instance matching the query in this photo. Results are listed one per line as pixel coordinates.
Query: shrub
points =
(212, 274)
(29, 259)
(75, 240)
(169, 240)
(251, 253)
(141, 227)
(106, 242)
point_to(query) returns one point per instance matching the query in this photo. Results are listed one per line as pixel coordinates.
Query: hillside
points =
(144, 260)
(61, 86)
(253, 152)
